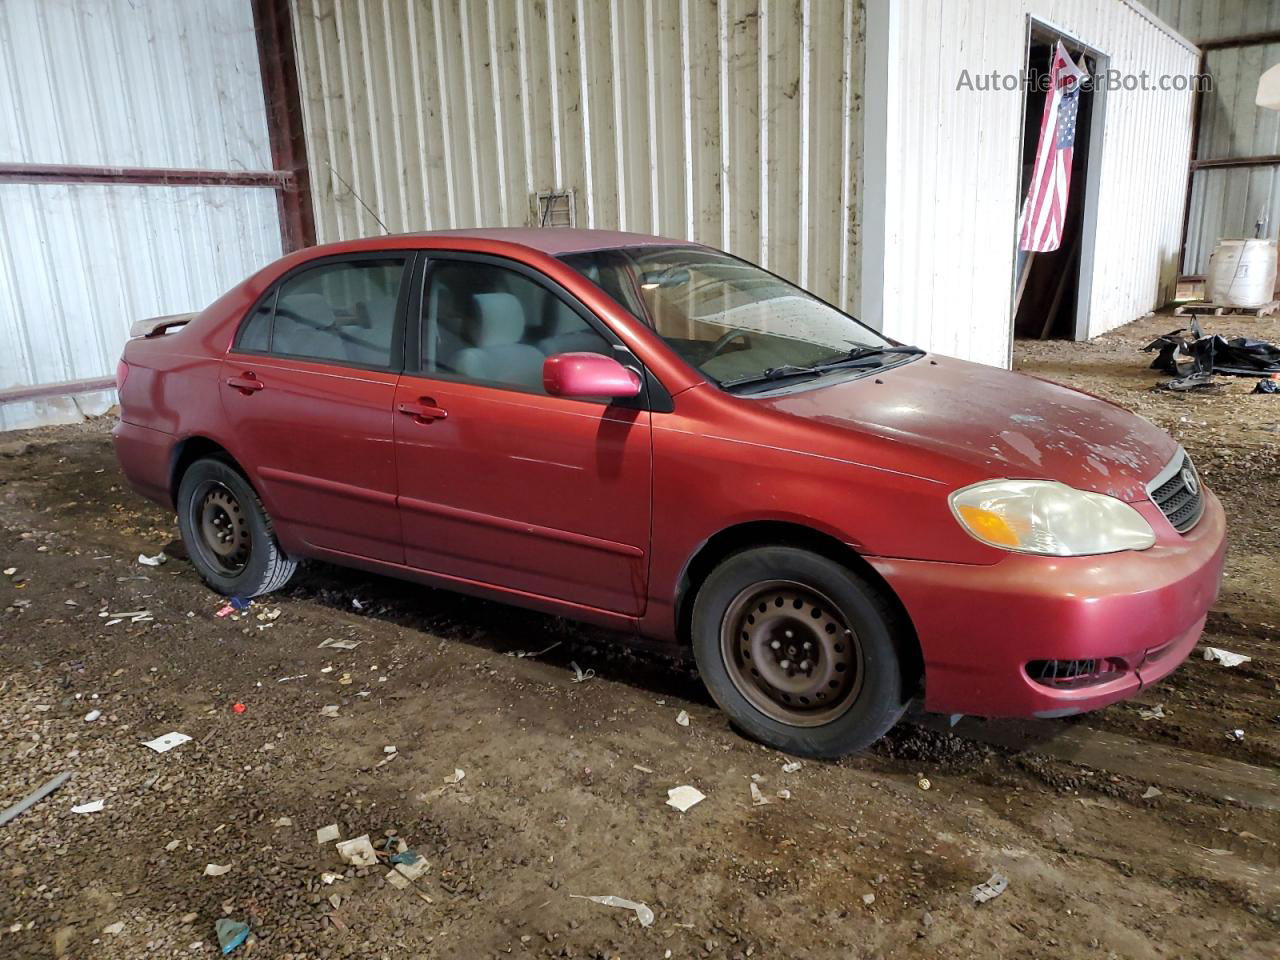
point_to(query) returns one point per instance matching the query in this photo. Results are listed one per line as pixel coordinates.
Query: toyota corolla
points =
(657, 437)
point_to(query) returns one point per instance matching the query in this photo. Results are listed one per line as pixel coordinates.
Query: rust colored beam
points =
(170, 176)
(1243, 40)
(1270, 160)
(278, 64)
(64, 389)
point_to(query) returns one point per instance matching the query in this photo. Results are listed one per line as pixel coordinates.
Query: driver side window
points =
(492, 325)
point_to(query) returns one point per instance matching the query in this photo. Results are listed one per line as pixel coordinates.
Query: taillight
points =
(122, 374)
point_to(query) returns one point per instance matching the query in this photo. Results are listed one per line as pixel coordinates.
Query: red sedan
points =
(658, 437)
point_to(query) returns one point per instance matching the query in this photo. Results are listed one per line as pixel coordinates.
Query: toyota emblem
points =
(1191, 480)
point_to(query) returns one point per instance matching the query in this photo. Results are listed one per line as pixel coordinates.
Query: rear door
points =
(501, 484)
(308, 390)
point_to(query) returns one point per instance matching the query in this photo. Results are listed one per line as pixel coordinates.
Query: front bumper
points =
(1140, 613)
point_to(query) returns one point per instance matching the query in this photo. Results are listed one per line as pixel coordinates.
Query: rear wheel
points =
(228, 533)
(799, 651)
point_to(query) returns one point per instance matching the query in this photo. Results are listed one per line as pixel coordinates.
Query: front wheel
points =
(799, 651)
(228, 533)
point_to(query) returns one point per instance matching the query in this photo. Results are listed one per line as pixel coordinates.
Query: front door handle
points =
(246, 384)
(423, 410)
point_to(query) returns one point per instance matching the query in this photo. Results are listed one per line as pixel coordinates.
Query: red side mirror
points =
(588, 375)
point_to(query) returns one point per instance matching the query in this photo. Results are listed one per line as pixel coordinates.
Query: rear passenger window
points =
(493, 325)
(341, 312)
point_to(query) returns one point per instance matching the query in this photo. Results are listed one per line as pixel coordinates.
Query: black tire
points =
(253, 564)
(786, 587)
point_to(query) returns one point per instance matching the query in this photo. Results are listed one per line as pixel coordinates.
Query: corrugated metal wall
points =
(1227, 202)
(952, 195)
(737, 124)
(149, 83)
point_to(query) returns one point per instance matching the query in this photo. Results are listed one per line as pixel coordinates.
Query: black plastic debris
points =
(1205, 356)
(1267, 386)
(1196, 380)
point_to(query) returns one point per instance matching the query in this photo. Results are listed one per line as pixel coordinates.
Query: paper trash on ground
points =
(340, 644)
(155, 561)
(358, 852)
(996, 885)
(167, 742)
(215, 870)
(684, 797)
(642, 911)
(757, 798)
(93, 806)
(1225, 657)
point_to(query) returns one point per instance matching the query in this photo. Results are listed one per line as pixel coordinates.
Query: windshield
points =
(739, 325)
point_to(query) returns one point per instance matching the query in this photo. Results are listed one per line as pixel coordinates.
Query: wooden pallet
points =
(1223, 310)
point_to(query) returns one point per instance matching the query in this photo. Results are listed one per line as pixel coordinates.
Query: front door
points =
(501, 484)
(309, 389)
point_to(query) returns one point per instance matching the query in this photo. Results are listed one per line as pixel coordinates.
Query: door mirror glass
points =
(588, 375)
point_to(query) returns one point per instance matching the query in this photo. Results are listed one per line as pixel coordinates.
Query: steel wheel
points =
(789, 651)
(223, 526)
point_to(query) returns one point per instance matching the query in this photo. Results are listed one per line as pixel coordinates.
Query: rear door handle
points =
(423, 410)
(246, 384)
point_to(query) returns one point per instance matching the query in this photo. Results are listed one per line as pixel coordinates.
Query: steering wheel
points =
(718, 347)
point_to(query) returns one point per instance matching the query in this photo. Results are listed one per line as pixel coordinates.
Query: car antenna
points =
(358, 197)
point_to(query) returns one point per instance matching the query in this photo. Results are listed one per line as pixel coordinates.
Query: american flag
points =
(1045, 209)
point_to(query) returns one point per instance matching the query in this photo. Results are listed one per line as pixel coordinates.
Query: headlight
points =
(1047, 517)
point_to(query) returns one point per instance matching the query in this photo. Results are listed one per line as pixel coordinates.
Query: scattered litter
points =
(923, 783)
(155, 561)
(580, 675)
(238, 708)
(231, 933)
(329, 877)
(1239, 356)
(1152, 792)
(112, 929)
(1270, 385)
(409, 864)
(173, 845)
(356, 604)
(784, 794)
(92, 715)
(330, 710)
(10, 571)
(1236, 736)
(358, 852)
(455, 777)
(397, 880)
(328, 834)
(642, 911)
(1155, 713)
(641, 767)
(684, 797)
(216, 870)
(31, 799)
(791, 767)
(682, 718)
(1225, 657)
(340, 644)
(296, 676)
(270, 614)
(758, 799)
(167, 742)
(868, 898)
(345, 680)
(93, 806)
(991, 889)
(521, 654)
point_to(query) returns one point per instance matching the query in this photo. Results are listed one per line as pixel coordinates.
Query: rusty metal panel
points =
(953, 167)
(735, 123)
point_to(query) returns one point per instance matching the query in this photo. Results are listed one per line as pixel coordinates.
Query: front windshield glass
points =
(734, 322)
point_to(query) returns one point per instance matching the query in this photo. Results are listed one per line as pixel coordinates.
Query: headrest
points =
(376, 311)
(498, 320)
(561, 318)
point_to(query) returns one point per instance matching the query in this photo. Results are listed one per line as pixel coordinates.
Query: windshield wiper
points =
(863, 353)
(773, 373)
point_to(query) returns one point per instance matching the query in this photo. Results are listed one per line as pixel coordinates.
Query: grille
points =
(1179, 500)
(1074, 674)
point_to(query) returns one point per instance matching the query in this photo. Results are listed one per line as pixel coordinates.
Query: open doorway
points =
(1051, 287)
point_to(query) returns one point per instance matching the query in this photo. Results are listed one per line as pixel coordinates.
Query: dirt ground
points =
(565, 782)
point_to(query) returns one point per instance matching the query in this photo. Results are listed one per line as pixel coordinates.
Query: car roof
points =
(553, 241)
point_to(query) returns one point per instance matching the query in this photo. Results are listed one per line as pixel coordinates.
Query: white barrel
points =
(1242, 273)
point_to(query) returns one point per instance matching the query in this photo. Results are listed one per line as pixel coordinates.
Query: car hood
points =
(995, 422)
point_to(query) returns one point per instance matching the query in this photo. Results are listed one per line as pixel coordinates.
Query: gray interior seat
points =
(369, 342)
(566, 332)
(302, 327)
(493, 333)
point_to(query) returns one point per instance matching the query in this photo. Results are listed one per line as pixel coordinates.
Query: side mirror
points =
(588, 375)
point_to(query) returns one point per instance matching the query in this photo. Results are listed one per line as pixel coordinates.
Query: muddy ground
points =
(565, 782)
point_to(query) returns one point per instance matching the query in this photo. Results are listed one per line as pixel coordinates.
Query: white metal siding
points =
(952, 193)
(148, 83)
(736, 124)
